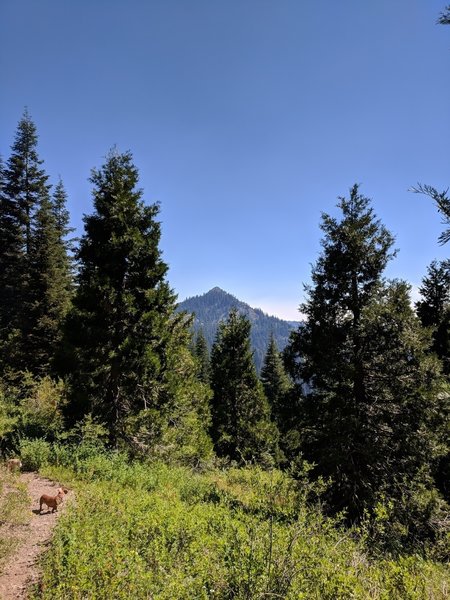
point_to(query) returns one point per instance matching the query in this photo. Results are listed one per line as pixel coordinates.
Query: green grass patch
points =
(14, 512)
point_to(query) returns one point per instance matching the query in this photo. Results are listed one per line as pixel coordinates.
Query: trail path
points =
(22, 570)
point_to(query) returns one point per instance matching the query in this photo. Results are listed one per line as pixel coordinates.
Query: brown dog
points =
(52, 501)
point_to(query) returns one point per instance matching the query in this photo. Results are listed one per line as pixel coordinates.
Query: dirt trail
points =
(22, 570)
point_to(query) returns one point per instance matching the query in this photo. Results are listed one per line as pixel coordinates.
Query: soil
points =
(21, 570)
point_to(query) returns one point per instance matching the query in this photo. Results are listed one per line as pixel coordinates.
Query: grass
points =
(164, 533)
(14, 513)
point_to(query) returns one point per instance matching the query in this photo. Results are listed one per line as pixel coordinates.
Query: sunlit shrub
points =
(155, 531)
(34, 454)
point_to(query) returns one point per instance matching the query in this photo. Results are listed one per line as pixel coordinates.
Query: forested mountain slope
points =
(214, 306)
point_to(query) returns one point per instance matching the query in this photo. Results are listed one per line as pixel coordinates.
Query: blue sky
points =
(246, 118)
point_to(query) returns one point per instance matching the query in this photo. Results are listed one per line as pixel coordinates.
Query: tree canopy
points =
(371, 387)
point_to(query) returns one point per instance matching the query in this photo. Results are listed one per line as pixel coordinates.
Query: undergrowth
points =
(163, 532)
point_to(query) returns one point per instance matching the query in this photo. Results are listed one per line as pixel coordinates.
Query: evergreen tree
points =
(434, 309)
(50, 290)
(10, 259)
(371, 394)
(187, 412)
(25, 189)
(123, 329)
(26, 182)
(202, 355)
(241, 425)
(62, 216)
(276, 385)
(434, 312)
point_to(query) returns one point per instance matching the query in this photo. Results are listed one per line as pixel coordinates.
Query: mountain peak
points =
(214, 306)
(217, 294)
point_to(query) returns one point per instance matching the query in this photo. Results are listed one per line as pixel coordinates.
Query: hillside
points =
(214, 306)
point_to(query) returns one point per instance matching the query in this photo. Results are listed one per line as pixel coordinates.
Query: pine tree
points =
(123, 327)
(62, 216)
(10, 259)
(241, 425)
(187, 408)
(26, 182)
(202, 355)
(434, 312)
(434, 309)
(25, 189)
(367, 411)
(276, 385)
(50, 292)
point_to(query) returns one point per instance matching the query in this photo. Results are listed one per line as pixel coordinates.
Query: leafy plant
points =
(34, 453)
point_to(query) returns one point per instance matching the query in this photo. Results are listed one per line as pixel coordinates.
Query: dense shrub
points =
(30, 407)
(34, 454)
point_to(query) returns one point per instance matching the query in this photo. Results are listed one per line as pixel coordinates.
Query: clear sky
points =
(246, 118)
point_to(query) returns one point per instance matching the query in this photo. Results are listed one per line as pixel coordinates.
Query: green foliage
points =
(42, 406)
(366, 405)
(24, 187)
(88, 438)
(9, 420)
(10, 259)
(374, 410)
(433, 309)
(140, 531)
(15, 512)
(188, 411)
(34, 267)
(127, 345)
(34, 454)
(241, 425)
(30, 408)
(201, 353)
(278, 390)
(177, 430)
(51, 289)
(441, 199)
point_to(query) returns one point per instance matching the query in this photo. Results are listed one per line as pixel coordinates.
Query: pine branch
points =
(442, 202)
(444, 19)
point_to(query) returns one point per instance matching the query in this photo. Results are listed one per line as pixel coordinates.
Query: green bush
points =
(34, 454)
(31, 408)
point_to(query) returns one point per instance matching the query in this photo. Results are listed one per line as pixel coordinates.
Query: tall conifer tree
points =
(241, 425)
(434, 308)
(25, 190)
(367, 412)
(276, 385)
(10, 260)
(123, 327)
(202, 354)
(26, 182)
(62, 215)
(50, 290)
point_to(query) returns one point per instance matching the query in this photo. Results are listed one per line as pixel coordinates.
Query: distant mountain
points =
(214, 306)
